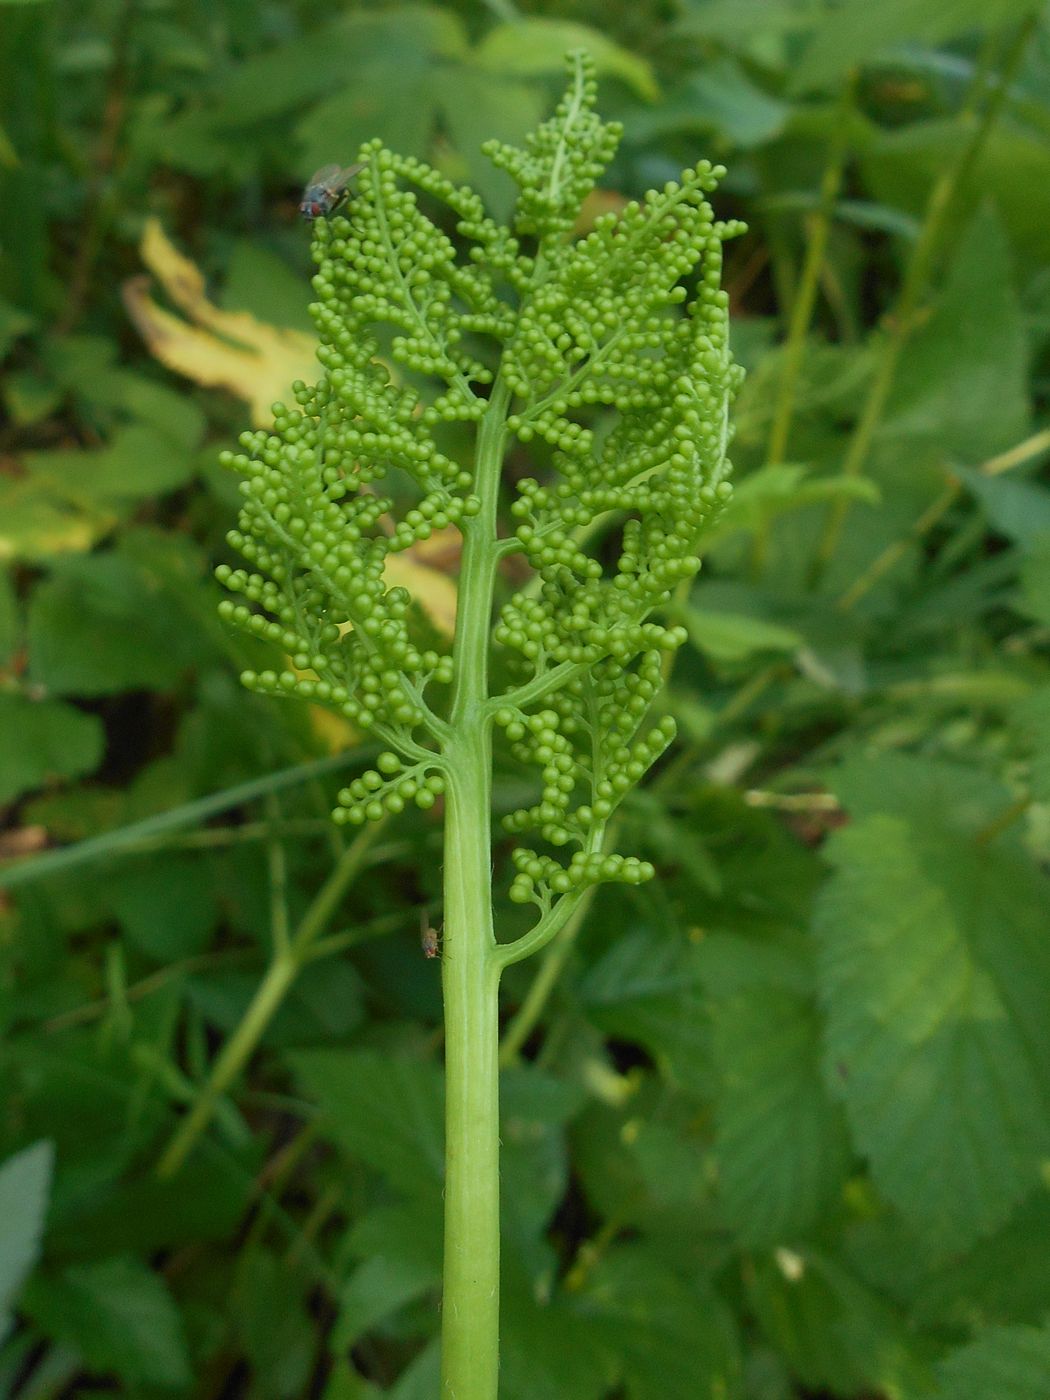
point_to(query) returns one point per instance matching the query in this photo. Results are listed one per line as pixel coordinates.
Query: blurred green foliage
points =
(777, 1124)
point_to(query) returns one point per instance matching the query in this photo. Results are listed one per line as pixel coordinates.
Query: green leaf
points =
(167, 906)
(720, 98)
(394, 58)
(781, 1144)
(138, 462)
(268, 1308)
(25, 1184)
(834, 1333)
(539, 45)
(729, 637)
(262, 283)
(103, 623)
(647, 989)
(377, 1288)
(383, 1111)
(42, 741)
(771, 491)
(1012, 171)
(534, 1167)
(119, 1316)
(936, 987)
(963, 378)
(856, 32)
(1009, 1363)
(667, 1339)
(1018, 509)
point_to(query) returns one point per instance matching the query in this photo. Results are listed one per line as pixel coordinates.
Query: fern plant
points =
(606, 357)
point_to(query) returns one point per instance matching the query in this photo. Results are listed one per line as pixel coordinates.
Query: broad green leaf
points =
(1007, 1363)
(377, 1288)
(36, 523)
(118, 1315)
(263, 284)
(936, 987)
(856, 32)
(780, 1140)
(268, 1308)
(772, 491)
(729, 637)
(42, 741)
(539, 45)
(834, 1333)
(103, 623)
(25, 1184)
(137, 463)
(534, 1163)
(395, 58)
(1002, 1279)
(718, 98)
(667, 1339)
(647, 989)
(1012, 171)
(1018, 509)
(548, 1346)
(963, 378)
(384, 1111)
(167, 906)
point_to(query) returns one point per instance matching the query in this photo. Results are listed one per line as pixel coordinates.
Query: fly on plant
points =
(428, 937)
(326, 189)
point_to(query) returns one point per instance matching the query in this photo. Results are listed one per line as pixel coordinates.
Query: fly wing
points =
(326, 176)
(347, 173)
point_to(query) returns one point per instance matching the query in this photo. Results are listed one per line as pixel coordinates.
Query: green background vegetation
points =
(775, 1125)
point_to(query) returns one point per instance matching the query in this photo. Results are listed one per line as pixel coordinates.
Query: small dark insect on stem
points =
(428, 936)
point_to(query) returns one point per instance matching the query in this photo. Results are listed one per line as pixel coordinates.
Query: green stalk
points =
(904, 318)
(470, 971)
(279, 978)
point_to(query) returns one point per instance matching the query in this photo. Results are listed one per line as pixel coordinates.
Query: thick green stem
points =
(470, 972)
(470, 978)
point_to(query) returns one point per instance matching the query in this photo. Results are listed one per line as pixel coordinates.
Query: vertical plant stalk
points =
(288, 961)
(806, 297)
(470, 973)
(903, 318)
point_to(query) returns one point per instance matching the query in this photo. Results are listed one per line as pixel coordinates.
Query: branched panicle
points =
(611, 352)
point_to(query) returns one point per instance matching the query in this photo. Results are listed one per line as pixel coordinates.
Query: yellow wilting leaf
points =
(222, 349)
(258, 362)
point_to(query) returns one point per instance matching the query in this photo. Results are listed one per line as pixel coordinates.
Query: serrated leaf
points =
(936, 988)
(119, 1316)
(43, 740)
(781, 1144)
(387, 1112)
(1007, 1363)
(25, 1185)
